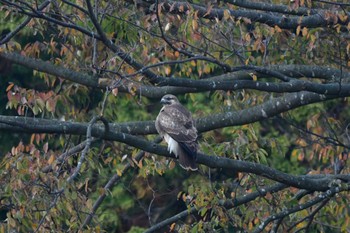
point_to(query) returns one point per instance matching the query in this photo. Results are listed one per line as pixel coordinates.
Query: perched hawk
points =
(175, 124)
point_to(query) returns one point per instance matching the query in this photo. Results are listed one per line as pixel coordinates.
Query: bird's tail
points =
(188, 156)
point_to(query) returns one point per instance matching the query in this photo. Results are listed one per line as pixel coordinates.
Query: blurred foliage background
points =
(307, 140)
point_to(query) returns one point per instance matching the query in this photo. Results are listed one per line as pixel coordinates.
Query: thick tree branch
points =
(230, 81)
(47, 67)
(100, 36)
(263, 6)
(270, 108)
(89, 80)
(293, 86)
(303, 182)
(280, 20)
(308, 71)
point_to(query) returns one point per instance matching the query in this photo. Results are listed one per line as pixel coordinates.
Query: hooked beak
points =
(163, 101)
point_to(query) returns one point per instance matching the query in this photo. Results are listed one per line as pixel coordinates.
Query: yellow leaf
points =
(51, 159)
(11, 222)
(210, 7)
(115, 91)
(273, 144)
(167, 70)
(343, 17)
(172, 226)
(194, 25)
(278, 29)
(227, 14)
(86, 184)
(46, 147)
(250, 226)
(305, 31)
(101, 191)
(119, 172)
(181, 8)
(206, 69)
(256, 221)
(88, 204)
(132, 89)
(338, 27)
(247, 37)
(254, 77)
(301, 142)
(298, 30)
(32, 138)
(301, 225)
(108, 160)
(172, 164)
(301, 156)
(140, 164)
(9, 87)
(167, 27)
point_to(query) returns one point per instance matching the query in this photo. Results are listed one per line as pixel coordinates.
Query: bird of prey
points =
(175, 124)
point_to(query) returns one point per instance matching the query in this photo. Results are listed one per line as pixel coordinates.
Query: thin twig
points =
(228, 204)
(53, 204)
(333, 3)
(110, 184)
(11, 34)
(320, 198)
(63, 156)
(89, 140)
(310, 218)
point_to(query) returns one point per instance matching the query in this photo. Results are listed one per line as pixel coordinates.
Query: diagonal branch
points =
(89, 140)
(11, 34)
(310, 217)
(320, 198)
(228, 204)
(124, 56)
(110, 184)
(41, 15)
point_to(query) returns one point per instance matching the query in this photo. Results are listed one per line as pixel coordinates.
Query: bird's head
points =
(169, 99)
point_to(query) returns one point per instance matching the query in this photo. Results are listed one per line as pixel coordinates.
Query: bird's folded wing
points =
(177, 125)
